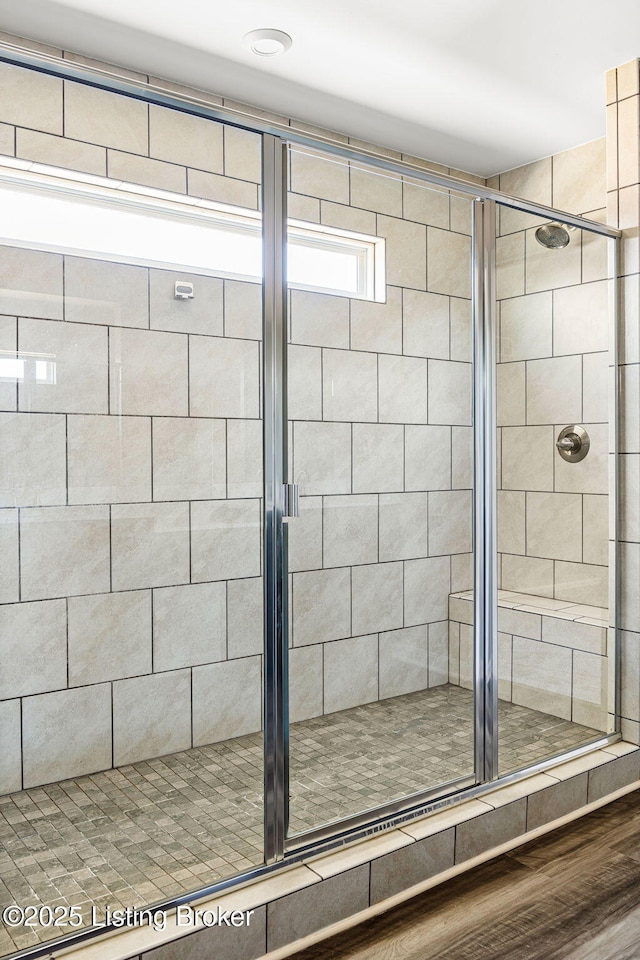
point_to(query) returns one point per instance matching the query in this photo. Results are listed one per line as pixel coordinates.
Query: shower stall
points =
(309, 496)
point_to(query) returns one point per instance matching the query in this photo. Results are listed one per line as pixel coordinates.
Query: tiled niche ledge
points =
(552, 654)
(308, 902)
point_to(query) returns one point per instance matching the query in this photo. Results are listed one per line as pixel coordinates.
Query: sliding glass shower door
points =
(380, 438)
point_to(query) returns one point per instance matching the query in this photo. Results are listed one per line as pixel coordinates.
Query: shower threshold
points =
(157, 829)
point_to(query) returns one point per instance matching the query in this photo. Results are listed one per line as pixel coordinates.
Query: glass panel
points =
(554, 383)
(130, 586)
(380, 439)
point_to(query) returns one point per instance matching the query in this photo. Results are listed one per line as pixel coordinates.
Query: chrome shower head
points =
(554, 236)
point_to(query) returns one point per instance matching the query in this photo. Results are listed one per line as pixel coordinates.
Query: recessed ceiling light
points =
(267, 43)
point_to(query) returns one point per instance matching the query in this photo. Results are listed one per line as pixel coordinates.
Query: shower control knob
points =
(573, 443)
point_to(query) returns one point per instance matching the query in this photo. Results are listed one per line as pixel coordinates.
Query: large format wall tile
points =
(96, 291)
(64, 551)
(149, 545)
(109, 636)
(227, 700)
(33, 644)
(189, 625)
(9, 570)
(151, 716)
(223, 378)
(10, 747)
(30, 284)
(33, 463)
(377, 597)
(75, 362)
(379, 326)
(402, 384)
(30, 98)
(322, 605)
(404, 661)
(109, 459)
(322, 457)
(148, 373)
(425, 324)
(225, 539)
(98, 116)
(542, 677)
(350, 530)
(189, 458)
(344, 686)
(403, 526)
(378, 457)
(184, 139)
(350, 386)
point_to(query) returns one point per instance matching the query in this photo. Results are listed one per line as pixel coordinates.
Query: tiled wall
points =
(554, 334)
(131, 595)
(380, 404)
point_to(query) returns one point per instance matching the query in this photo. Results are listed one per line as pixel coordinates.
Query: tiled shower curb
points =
(306, 903)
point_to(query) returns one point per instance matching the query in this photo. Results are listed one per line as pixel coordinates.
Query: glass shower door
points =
(556, 483)
(381, 655)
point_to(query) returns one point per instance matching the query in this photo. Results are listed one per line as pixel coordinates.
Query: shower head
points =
(554, 236)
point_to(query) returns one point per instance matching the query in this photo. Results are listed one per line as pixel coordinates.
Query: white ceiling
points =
(481, 85)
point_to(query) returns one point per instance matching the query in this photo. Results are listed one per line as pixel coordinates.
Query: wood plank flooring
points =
(573, 895)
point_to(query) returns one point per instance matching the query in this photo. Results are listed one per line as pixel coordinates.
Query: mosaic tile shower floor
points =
(152, 830)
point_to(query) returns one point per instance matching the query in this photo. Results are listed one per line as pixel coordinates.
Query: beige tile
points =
(528, 574)
(404, 661)
(505, 660)
(438, 653)
(627, 79)
(554, 390)
(109, 637)
(612, 147)
(354, 854)
(630, 409)
(33, 466)
(523, 788)
(97, 291)
(212, 186)
(345, 687)
(148, 373)
(60, 152)
(629, 572)
(244, 458)
(321, 606)
(426, 204)
(629, 466)
(582, 583)
(580, 636)
(453, 674)
(10, 747)
(590, 678)
(461, 608)
(461, 214)
(556, 801)
(377, 597)
(305, 682)
(322, 458)
(150, 173)
(203, 314)
(597, 382)
(223, 377)
(109, 459)
(350, 530)
(611, 85)
(188, 458)
(30, 99)
(327, 179)
(7, 139)
(511, 521)
(450, 522)
(98, 116)
(426, 590)
(242, 154)
(305, 536)
(64, 551)
(381, 192)
(444, 819)
(461, 330)
(531, 182)
(304, 370)
(462, 457)
(579, 177)
(542, 677)
(243, 310)
(490, 830)
(613, 776)
(181, 138)
(73, 376)
(427, 457)
(406, 253)
(9, 571)
(450, 386)
(554, 526)
(527, 463)
(402, 388)
(189, 626)
(346, 218)
(319, 320)
(66, 734)
(151, 716)
(511, 393)
(551, 268)
(30, 284)
(8, 351)
(301, 913)
(580, 318)
(378, 457)
(403, 526)
(225, 539)
(629, 293)
(522, 623)
(526, 326)
(510, 266)
(227, 700)
(379, 326)
(448, 263)
(245, 634)
(411, 865)
(33, 642)
(149, 545)
(349, 386)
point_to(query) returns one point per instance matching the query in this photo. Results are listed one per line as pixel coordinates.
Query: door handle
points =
(291, 500)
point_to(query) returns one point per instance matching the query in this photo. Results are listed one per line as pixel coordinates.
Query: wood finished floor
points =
(573, 895)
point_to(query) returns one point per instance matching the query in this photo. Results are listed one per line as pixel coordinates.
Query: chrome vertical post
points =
(615, 489)
(485, 492)
(274, 224)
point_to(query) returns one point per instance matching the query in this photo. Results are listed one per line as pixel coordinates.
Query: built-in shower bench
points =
(552, 654)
